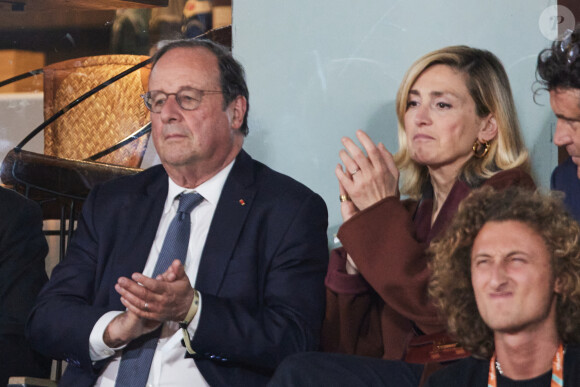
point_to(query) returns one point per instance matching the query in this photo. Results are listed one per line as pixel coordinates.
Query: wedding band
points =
(355, 171)
(344, 198)
(146, 306)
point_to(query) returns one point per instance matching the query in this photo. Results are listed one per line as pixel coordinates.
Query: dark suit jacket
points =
(23, 249)
(565, 179)
(261, 274)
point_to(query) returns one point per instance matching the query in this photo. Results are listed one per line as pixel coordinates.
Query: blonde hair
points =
(489, 87)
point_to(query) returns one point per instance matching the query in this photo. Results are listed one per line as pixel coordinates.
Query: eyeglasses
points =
(187, 99)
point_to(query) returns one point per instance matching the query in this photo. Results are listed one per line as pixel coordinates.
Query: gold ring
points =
(344, 198)
(355, 171)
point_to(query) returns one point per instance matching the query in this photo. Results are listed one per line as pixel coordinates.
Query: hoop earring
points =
(480, 149)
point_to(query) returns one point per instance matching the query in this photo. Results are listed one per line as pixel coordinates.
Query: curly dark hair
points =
(559, 66)
(232, 75)
(451, 287)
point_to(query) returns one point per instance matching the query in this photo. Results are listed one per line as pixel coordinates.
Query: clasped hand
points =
(366, 180)
(149, 303)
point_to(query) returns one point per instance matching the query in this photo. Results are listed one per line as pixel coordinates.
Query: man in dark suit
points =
(559, 71)
(23, 249)
(251, 289)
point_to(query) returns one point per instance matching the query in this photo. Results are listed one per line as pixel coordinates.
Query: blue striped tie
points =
(138, 355)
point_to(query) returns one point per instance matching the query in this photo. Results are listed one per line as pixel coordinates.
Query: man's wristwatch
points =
(185, 323)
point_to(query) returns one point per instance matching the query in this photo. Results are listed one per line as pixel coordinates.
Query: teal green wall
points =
(320, 69)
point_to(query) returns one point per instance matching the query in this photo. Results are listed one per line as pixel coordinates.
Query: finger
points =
(357, 155)
(344, 180)
(177, 268)
(347, 207)
(389, 160)
(341, 189)
(150, 284)
(370, 147)
(343, 194)
(131, 286)
(137, 302)
(136, 310)
(138, 293)
(349, 164)
(165, 276)
(175, 271)
(171, 273)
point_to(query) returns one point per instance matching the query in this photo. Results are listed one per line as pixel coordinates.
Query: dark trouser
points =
(315, 369)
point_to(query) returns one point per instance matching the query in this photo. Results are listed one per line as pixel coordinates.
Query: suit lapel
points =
(233, 207)
(139, 218)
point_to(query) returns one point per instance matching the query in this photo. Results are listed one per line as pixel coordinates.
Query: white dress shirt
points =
(169, 367)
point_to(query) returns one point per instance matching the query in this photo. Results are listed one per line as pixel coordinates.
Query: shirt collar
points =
(210, 189)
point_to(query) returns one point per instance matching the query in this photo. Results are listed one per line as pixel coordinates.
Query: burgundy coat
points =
(373, 313)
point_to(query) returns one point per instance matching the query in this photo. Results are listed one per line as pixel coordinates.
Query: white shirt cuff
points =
(97, 347)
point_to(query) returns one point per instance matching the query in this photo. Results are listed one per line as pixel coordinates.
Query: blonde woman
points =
(458, 130)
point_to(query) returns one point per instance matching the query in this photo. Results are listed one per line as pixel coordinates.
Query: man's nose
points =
(170, 109)
(562, 135)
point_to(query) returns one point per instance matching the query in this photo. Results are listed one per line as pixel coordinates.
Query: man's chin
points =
(177, 159)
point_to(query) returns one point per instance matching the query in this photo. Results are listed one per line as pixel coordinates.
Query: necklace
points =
(557, 369)
(498, 366)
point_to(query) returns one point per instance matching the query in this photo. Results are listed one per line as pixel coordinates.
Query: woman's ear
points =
(489, 129)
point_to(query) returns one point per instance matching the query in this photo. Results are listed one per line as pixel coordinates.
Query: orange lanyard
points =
(557, 369)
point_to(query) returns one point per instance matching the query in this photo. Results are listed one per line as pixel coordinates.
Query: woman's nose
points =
(422, 115)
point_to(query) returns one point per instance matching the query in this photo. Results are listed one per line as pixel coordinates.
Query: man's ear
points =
(558, 285)
(489, 129)
(238, 109)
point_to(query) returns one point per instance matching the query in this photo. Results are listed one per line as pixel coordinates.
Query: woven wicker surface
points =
(103, 119)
